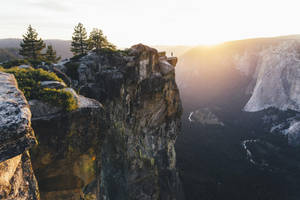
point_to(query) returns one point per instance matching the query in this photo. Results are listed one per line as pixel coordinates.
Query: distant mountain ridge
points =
(62, 47)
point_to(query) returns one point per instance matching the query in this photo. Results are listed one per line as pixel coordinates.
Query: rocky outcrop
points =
(138, 91)
(205, 117)
(64, 160)
(17, 180)
(53, 84)
(145, 122)
(121, 150)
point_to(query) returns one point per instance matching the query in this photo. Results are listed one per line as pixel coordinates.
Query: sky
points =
(153, 22)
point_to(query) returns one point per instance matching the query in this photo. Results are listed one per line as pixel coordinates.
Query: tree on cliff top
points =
(31, 46)
(98, 40)
(79, 44)
(50, 55)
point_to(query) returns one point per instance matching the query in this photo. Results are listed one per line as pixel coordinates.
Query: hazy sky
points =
(153, 22)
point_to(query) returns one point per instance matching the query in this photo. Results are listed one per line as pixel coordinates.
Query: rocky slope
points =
(138, 91)
(17, 180)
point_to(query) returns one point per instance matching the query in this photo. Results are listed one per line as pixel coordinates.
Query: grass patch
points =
(29, 82)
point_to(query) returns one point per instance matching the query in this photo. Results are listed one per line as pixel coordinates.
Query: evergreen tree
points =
(31, 46)
(97, 40)
(50, 55)
(79, 40)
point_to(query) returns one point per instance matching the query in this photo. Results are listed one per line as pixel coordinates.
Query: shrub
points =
(29, 80)
(77, 57)
(72, 68)
(59, 97)
(37, 62)
(18, 62)
(14, 63)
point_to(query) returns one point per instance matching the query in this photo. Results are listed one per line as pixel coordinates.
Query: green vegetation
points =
(59, 97)
(31, 46)
(14, 63)
(50, 55)
(98, 41)
(79, 45)
(29, 81)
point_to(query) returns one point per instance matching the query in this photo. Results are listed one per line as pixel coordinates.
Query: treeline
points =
(81, 43)
(32, 46)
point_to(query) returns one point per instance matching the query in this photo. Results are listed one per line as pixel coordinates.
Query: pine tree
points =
(79, 40)
(97, 40)
(31, 46)
(50, 55)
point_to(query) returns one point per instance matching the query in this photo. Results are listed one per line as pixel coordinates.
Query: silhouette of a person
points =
(172, 54)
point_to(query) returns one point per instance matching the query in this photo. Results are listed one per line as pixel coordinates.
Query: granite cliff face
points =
(277, 78)
(256, 75)
(252, 88)
(138, 91)
(17, 180)
(121, 148)
(64, 160)
(275, 85)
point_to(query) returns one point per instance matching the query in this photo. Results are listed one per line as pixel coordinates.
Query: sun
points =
(212, 41)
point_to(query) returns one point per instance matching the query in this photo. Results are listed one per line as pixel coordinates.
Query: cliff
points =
(252, 87)
(138, 91)
(121, 148)
(17, 180)
(64, 160)
(250, 75)
(276, 76)
(274, 84)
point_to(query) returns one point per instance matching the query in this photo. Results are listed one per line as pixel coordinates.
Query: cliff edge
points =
(137, 88)
(111, 136)
(17, 181)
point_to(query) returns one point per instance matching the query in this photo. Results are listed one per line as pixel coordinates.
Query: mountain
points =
(7, 54)
(241, 120)
(62, 47)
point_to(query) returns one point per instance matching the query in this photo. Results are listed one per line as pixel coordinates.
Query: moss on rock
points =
(29, 82)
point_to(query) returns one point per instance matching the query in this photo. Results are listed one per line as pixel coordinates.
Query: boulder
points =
(65, 159)
(53, 84)
(17, 180)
